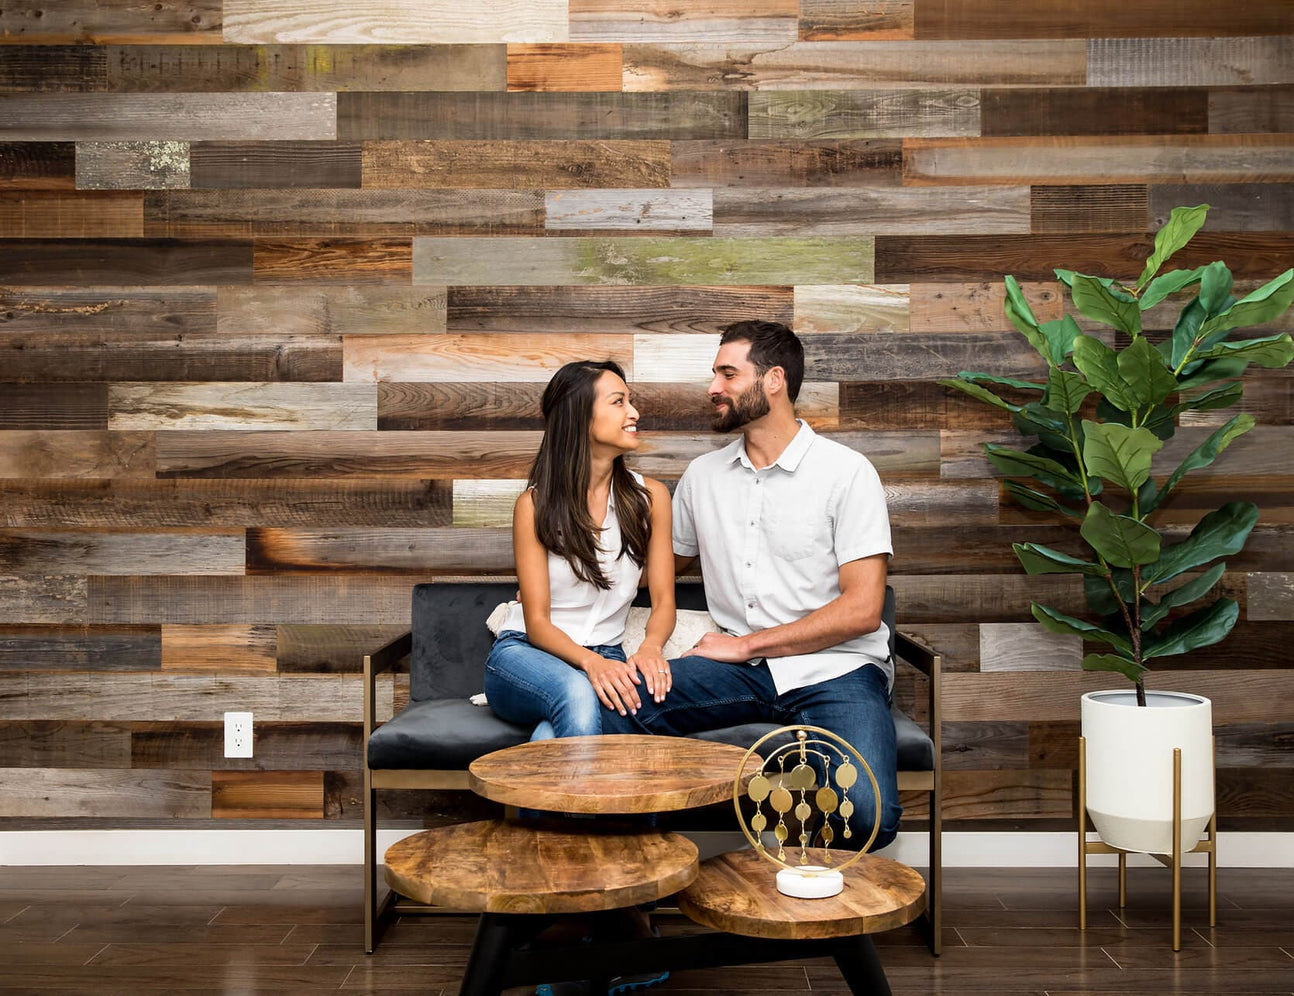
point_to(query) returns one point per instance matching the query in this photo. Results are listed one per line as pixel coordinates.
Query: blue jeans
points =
(710, 695)
(527, 685)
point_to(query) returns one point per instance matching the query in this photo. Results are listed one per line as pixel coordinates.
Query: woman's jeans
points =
(527, 685)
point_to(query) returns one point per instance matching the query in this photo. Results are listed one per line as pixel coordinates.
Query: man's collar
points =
(790, 457)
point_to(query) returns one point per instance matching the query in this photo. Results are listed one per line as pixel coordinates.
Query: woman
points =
(584, 533)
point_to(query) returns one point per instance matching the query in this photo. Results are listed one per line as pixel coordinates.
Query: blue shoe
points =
(628, 983)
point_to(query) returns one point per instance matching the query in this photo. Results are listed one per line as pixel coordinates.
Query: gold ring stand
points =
(1208, 844)
(786, 781)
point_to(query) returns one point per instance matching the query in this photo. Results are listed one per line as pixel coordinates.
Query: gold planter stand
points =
(1208, 844)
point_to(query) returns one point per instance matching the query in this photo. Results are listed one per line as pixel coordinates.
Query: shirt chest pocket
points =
(796, 530)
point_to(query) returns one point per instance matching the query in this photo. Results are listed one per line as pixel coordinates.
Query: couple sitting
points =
(794, 541)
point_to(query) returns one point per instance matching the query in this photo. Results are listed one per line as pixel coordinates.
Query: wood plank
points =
(1027, 647)
(342, 213)
(742, 211)
(841, 20)
(87, 356)
(689, 359)
(1255, 792)
(1239, 207)
(455, 550)
(853, 65)
(64, 745)
(986, 746)
(979, 307)
(1253, 745)
(716, 22)
(38, 165)
(556, 165)
(336, 260)
(146, 504)
(627, 211)
(125, 262)
(916, 356)
(132, 165)
(1269, 397)
(219, 165)
(232, 68)
(54, 598)
(76, 453)
(1100, 159)
(1246, 110)
(863, 162)
(528, 116)
(279, 746)
(80, 792)
(241, 406)
(1094, 111)
(892, 405)
(807, 115)
(51, 68)
(267, 795)
(1253, 60)
(472, 358)
(1271, 596)
(485, 504)
(25, 551)
(79, 648)
(1255, 644)
(111, 117)
(175, 22)
(1107, 208)
(325, 649)
(286, 455)
(1007, 795)
(59, 214)
(1098, 19)
(613, 310)
(362, 309)
(910, 455)
(437, 22)
(53, 406)
(219, 650)
(772, 261)
(851, 308)
(137, 310)
(563, 67)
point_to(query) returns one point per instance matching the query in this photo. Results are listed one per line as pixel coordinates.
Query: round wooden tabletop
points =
(504, 867)
(737, 893)
(609, 774)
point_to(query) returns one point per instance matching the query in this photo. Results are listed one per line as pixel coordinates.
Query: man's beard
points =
(751, 404)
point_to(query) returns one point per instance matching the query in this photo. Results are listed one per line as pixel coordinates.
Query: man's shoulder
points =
(714, 460)
(827, 452)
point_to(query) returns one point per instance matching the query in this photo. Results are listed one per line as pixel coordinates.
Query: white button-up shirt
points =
(772, 539)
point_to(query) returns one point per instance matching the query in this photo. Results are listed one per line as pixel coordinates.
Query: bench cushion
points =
(441, 734)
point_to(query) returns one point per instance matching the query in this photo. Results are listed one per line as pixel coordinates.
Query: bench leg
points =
(489, 957)
(856, 958)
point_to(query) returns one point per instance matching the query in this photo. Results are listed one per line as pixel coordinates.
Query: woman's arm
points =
(649, 658)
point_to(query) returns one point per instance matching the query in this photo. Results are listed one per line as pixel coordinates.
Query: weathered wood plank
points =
(389, 551)
(717, 22)
(1253, 60)
(1107, 208)
(76, 453)
(888, 405)
(613, 310)
(1027, 647)
(910, 454)
(1246, 110)
(529, 116)
(1007, 795)
(1253, 644)
(175, 22)
(221, 165)
(496, 357)
(864, 162)
(1094, 111)
(1269, 397)
(1271, 596)
(364, 309)
(219, 649)
(123, 262)
(64, 745)
(267, 795)
(57, 599)
(80, 648)
(38, 165)
(87, 356)
(485, 504)
(1239, 207)
(132, 165)
(428, 22)
(279, 746)
(1095, 19)
(1258, 745)
(851, 308)
(304, 68)
(836, 114)
(985, 746)
(242, 406)
(554, 165)
(146, 504)
(92, 552)
(140, 311)
(51, 68)
(325, 649)
(916, 356)
(687, 358)
(958, 307)
(58, 214)
(171, 116)
(774, 261)
(1101, 159)
(51, 792)
(742, 211)
(563, 68)
(628, 211)
(53, 406)
(842, 20)
(336, 260)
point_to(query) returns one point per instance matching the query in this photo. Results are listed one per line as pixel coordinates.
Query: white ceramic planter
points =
(1130, 767)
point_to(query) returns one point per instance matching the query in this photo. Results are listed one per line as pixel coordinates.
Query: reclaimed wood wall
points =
(281, 281)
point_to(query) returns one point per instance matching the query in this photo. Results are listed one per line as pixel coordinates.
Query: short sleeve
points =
(861, 520)
(684, 528)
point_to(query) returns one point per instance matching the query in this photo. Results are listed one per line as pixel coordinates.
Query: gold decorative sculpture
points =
(787, 783)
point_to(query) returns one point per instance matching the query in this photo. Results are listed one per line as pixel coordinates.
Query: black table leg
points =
(856, 958)
(493, 944)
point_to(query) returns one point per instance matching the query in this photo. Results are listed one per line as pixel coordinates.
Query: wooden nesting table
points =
(521, 875)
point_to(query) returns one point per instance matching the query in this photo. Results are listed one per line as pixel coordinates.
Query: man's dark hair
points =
(772, 344)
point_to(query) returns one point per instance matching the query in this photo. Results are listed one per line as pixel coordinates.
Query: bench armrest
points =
(929, 663)
(381, 659)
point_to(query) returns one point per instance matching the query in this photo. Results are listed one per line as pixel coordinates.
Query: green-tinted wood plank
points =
(132, 165)
(828, 114)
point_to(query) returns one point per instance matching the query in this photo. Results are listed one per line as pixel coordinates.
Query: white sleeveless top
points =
(586, 613)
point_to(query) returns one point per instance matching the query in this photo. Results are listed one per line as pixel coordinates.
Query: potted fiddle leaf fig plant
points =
(1097, 422)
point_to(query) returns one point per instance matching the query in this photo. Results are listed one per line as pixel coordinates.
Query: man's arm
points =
(856, 612)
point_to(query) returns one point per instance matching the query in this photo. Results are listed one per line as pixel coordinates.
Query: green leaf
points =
(979, 393)
(1142, 369)
(1038, 500)
(1262, 305)
(1213, 399)
(1272, 352)
(1215, 288)
(1168, 283)
(1058, 622)
(1100, 365)
(1016, 463)
(985, 378)
(1221, 533)
(1152, 613)
(1066, 277)
(1100, 597)
(1099, 300)
(1130, 669)
(1208, 372)
(1119, 454)
(1066, 391)
(1181, 227)
(1207, 452)
(1060, 335)
(1042, 560)
(1120, 539)
(1182, 341)
(1200, 629)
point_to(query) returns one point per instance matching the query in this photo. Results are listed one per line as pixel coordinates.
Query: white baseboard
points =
(342, 847)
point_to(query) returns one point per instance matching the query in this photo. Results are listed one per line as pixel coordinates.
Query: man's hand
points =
(722, 647)
(614, 683)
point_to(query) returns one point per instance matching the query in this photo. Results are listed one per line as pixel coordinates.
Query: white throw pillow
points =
(689, 627)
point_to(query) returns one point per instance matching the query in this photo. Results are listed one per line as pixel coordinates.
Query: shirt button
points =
(748, 564)
(750, 605)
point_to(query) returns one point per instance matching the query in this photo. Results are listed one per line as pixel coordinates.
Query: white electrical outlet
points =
(238, 734)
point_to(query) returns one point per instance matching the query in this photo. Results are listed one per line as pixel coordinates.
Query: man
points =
(794, 541)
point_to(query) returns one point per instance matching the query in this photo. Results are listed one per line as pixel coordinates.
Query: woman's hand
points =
(650, 662)
(613, 681)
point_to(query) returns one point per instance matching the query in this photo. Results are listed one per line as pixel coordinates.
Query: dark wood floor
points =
(297, 929)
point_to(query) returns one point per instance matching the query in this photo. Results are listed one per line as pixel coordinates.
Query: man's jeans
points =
(527, 685)
(710, 695)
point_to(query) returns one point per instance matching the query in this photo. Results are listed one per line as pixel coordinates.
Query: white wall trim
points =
(340, 847)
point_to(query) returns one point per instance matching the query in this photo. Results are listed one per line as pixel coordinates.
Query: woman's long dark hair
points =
(560, 478)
